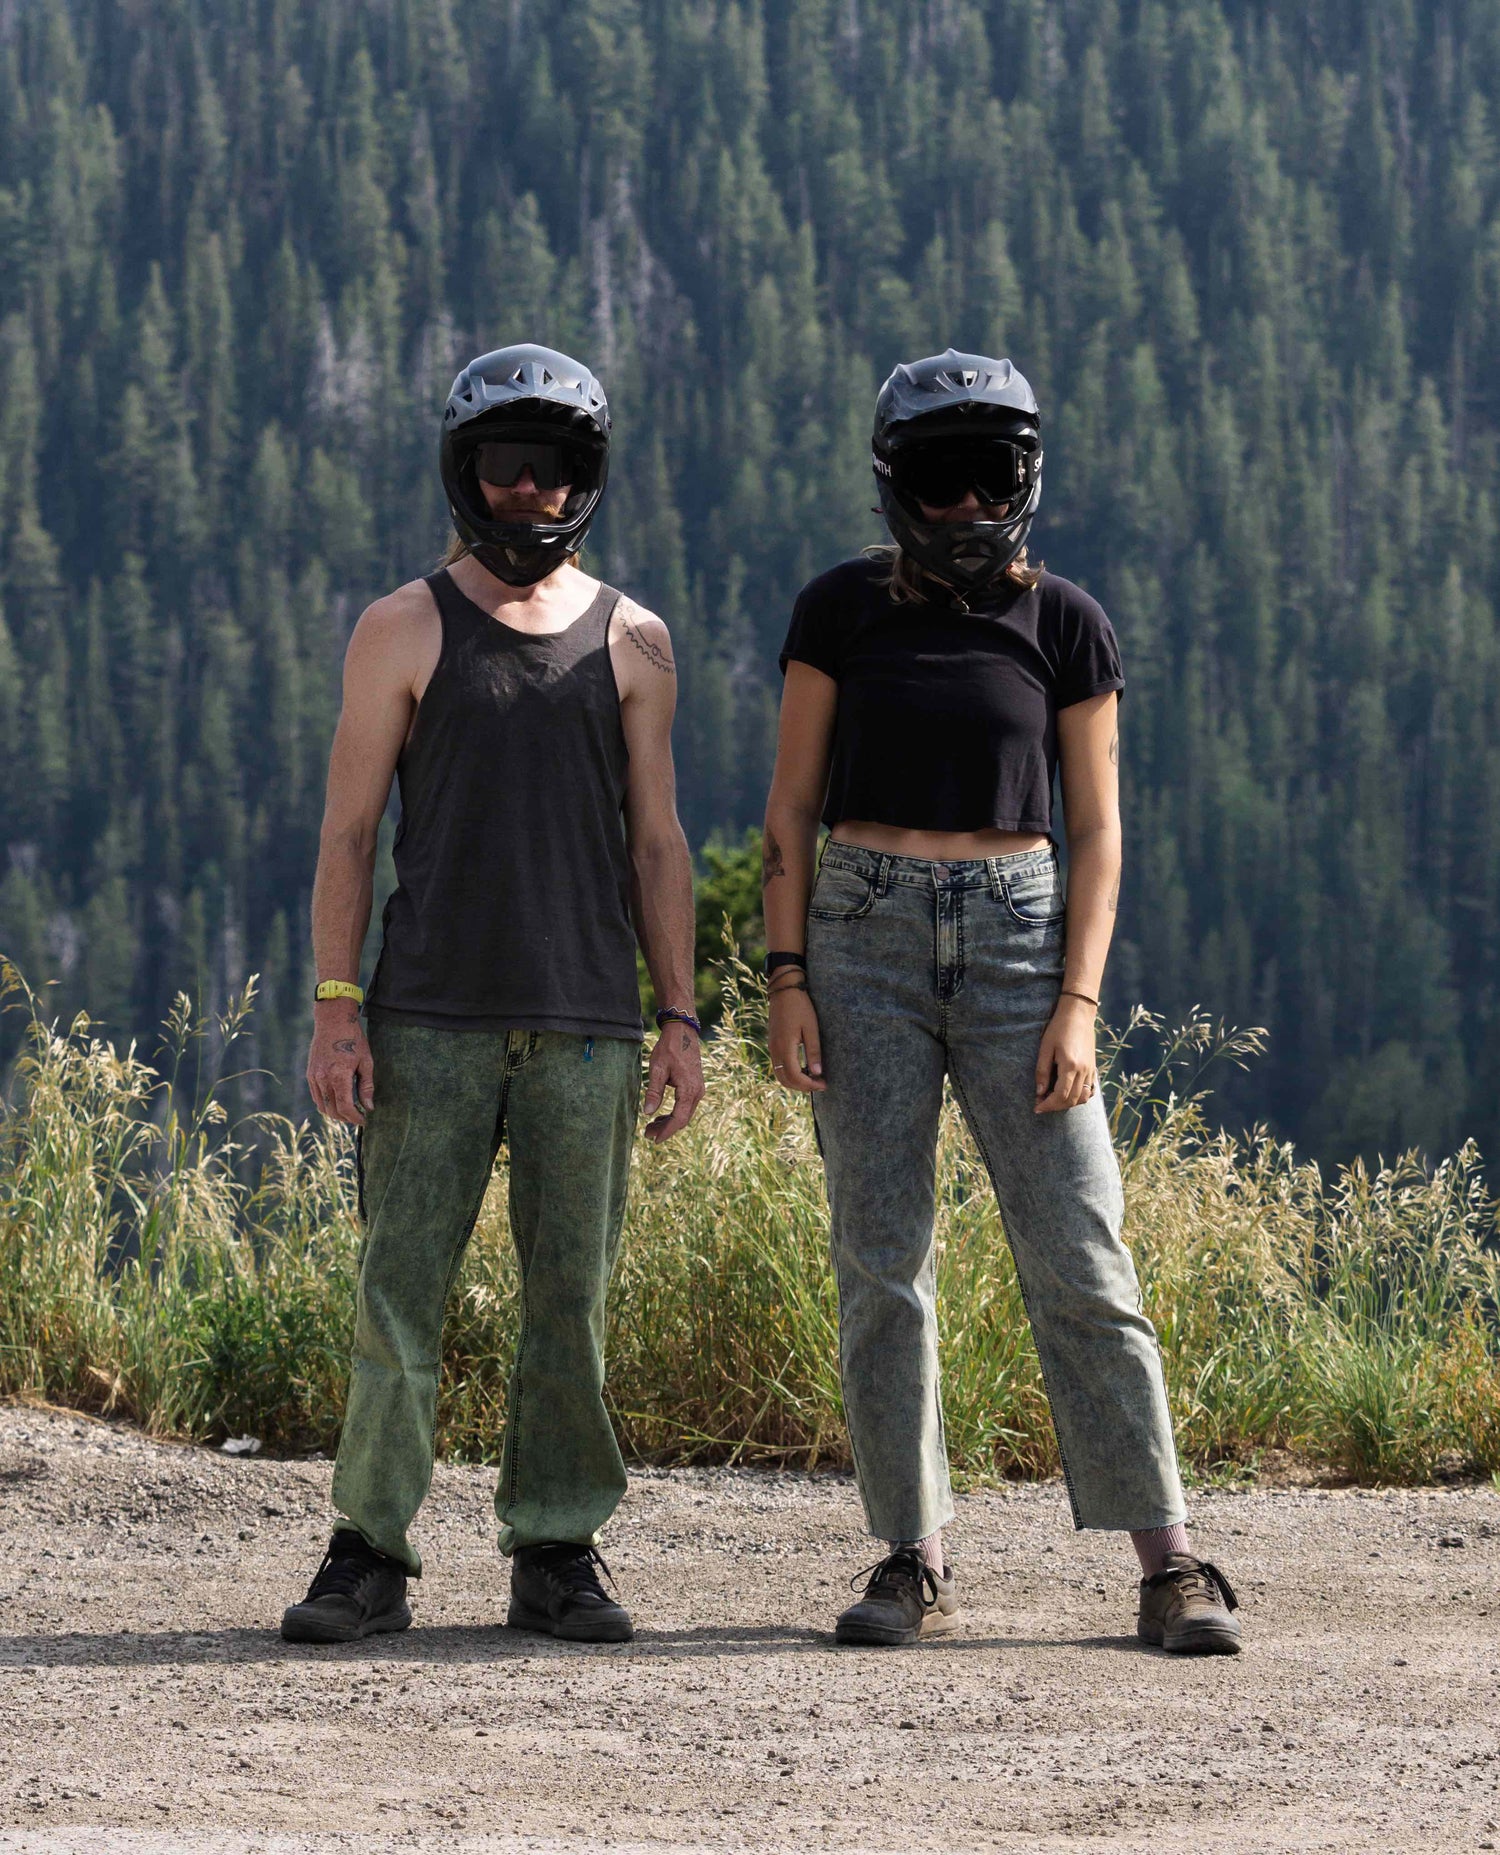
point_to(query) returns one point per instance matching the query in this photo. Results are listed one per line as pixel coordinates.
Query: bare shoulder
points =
(645, 634)
(405, 614)
(397, 635)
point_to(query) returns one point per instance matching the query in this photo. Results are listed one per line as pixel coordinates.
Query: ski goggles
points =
(554, 463)
(941, 471)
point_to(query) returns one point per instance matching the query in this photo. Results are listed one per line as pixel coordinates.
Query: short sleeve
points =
(1089, 652)
(813, 635)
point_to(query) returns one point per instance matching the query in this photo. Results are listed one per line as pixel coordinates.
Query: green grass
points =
(149, 1269)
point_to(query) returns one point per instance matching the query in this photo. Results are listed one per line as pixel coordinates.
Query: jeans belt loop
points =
(997, 881)
(883, 874)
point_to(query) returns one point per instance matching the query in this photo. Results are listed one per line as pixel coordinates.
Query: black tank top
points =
(511, 909)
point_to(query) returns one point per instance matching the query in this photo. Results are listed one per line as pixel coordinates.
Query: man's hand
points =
(1066, 1066)
(340, 1068)
(676, 1064)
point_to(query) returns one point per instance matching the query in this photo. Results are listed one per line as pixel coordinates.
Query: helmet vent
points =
(969, 375)
(546, 378)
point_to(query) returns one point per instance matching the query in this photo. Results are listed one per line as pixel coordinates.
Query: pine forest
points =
(1247, 251)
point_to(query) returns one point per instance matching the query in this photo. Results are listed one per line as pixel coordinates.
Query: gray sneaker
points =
(904, 1599)
(1186, 1608)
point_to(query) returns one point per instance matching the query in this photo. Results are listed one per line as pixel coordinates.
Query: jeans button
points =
(940, 872)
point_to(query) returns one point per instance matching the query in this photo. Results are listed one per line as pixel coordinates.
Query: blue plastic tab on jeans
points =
(588, 1049)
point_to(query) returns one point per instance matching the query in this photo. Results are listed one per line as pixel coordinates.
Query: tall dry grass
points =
(197, 1277)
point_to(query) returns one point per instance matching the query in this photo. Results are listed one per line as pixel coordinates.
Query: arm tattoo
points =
(1114, 896)
(346, 1049)
(1114, 750)
(771, 861)
(653, 653)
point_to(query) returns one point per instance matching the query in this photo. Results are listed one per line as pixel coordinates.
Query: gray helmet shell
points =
(952, 395)
(523, 390)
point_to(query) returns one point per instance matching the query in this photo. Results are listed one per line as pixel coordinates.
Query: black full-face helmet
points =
(524, 407)
(943, 426)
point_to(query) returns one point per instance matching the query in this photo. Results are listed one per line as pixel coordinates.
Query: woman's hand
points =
(796, 1052)
(1066, 1067)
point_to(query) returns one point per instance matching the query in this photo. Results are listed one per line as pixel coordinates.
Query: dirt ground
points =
(147, 1704)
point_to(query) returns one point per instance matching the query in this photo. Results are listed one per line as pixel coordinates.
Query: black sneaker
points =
(356, 1592)
(556, 1590)
(904, 1599)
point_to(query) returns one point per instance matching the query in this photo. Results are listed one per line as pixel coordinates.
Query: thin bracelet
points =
(797, 985)
(1068, 992)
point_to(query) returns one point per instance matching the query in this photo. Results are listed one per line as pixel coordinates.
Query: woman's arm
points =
(1088, 739)
(798, 785)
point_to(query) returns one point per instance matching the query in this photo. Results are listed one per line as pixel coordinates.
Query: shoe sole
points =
(1210, 1640)
(540, 1624)
(872, 1636)
(313, 1629)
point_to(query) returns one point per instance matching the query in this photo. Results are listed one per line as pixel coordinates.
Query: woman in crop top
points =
(932, 691)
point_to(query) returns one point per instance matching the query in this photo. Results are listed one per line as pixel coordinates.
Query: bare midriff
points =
(947, 846)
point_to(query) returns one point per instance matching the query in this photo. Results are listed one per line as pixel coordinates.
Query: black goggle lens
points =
(942, 472)
(552, 465)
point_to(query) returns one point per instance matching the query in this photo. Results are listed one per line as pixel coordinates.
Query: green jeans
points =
(443, 1099)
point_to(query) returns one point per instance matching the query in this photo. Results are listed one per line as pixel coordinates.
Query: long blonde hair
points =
(906, 577)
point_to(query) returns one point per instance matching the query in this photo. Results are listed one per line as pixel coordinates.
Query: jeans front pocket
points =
(840, 894)
(1035, 896)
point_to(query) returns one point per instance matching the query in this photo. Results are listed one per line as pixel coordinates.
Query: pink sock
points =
(1152, 1544)
(930, 1548)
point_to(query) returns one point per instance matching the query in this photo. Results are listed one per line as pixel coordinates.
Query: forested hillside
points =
(1247, 252)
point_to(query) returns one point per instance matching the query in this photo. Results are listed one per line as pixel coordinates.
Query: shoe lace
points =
(573, 1568)
(1201, 1579)
(343, 1571)
(897, 1569)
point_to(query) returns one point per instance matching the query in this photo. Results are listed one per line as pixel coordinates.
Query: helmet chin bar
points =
(970, 557)
(519, 566)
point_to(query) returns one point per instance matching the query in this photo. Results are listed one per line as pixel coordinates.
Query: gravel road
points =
(147, 1705)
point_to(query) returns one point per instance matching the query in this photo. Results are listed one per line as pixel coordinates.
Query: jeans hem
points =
(508, 1543)
(409, 1561)
(1175, 1518)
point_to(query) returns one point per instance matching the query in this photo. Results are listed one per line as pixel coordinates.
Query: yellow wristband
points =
(339, 988)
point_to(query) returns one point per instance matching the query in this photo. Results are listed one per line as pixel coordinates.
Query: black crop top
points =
(947, 720)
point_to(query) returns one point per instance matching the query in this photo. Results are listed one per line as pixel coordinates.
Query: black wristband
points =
(775, 961)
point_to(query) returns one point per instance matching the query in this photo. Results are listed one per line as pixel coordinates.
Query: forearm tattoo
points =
(1114, 750)
(771, 861)
(1114, 897)
(653, 653)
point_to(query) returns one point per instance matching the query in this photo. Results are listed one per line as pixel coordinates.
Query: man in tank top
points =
(525, 710)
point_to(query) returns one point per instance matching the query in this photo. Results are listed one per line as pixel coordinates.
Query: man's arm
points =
(377, 709)
(661, 868)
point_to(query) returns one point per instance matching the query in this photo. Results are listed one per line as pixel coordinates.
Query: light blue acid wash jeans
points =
(918, 971)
